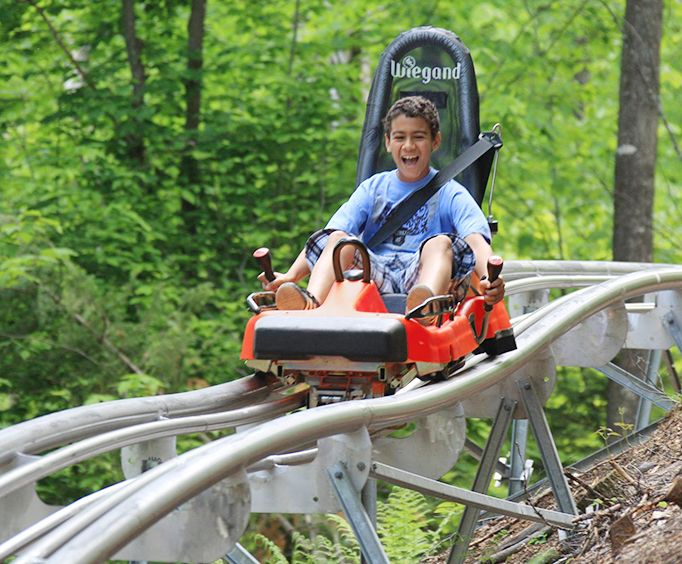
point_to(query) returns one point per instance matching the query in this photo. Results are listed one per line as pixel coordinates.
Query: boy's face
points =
(410, 144)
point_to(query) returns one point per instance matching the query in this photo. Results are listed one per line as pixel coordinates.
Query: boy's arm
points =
(297, 271)
(482, 250)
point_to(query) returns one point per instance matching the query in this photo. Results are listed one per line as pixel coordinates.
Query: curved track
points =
(114, 519)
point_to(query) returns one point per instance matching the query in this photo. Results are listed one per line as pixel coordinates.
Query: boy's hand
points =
(276, 283)
(494, 292)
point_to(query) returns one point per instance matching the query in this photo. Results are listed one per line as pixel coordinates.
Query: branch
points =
(133, 49)
(502, 555)
(108, 344)
(541, 51)
(101, 338)
(55, 34)
(189, 166)
(134, 139)
(195, 62)
(70, 349)
(294, 38)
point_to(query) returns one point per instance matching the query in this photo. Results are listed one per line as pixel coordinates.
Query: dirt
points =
(630, 511)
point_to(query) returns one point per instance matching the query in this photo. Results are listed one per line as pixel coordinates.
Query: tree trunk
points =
(635, 165)
(135, 138)
(189, 167)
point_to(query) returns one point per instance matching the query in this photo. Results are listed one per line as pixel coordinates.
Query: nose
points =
(409, 142)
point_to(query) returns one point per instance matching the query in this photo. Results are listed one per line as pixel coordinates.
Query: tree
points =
(135, 138)
(189, 165)
(633, 197)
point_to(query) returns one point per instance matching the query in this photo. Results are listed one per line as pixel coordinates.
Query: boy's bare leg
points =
(322, 276)
(435, 269)
(435, 264)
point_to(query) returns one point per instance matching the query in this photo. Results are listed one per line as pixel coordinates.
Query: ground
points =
(635, 499)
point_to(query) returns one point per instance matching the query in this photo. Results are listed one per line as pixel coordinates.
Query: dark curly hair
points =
(413, 107)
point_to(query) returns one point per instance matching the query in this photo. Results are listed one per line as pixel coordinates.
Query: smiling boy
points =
(433, 253)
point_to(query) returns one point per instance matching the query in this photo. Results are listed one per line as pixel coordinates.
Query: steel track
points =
(112, 520)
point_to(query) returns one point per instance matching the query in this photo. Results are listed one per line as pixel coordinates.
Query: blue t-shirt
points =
(451, 210)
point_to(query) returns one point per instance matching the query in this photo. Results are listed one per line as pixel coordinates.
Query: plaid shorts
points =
(395, 273)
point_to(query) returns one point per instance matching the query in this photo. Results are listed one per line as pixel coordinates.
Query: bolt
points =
(316, 499)
(361, 466)
(338, 475)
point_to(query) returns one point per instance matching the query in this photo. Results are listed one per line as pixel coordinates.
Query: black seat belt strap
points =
(397, 217)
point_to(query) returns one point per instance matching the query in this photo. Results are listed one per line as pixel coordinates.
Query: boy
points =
(433, 253)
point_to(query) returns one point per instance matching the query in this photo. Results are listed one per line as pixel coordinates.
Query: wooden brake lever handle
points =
(495, 264)
(262, 255)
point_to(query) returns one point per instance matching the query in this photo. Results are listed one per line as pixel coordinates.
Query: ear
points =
(387, 141)
(436, 141)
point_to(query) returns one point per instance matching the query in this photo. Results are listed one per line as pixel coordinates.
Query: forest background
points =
(148, 147)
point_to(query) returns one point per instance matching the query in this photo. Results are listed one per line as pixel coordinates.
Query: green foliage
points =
(273, 552)
(121, 276)
(337, 545)
(406, 525)
(323, 549)
(579, 400)
(81, 479)
(403, 526)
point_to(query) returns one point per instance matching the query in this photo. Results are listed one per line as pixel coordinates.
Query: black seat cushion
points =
(369, 339)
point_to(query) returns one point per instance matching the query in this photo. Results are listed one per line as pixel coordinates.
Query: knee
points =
(440, 244)
(335, 237)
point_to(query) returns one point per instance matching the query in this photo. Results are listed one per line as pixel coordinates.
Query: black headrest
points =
(434, 63)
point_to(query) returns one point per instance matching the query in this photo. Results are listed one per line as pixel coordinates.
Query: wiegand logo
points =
(408, 68)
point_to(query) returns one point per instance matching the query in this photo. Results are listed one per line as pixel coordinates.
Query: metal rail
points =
(108, 525)
(534, 281)
(37, 530)
(52, 430)
(55, 429)
(92, 446)
(516, 269)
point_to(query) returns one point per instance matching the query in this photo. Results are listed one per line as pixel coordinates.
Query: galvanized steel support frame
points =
(644, 406)
(484, 474)
(639, 387)
(368, 496)
(674, 328)
(96, 535)
(239, 555)
(469, 498)
(517, 459)
(358, 518)
(548, 451)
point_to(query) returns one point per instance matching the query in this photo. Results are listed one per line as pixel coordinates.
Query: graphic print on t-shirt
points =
(416, 225)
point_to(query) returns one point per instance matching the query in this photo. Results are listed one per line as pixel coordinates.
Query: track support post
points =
(635, 385)
(548, 451)
(359, 520)
(644, 406)
(517, 460)
(484, 474)
(239, 555)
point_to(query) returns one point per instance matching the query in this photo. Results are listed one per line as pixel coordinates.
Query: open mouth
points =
(410, 160)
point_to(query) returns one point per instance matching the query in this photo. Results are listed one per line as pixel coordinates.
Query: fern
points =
(303, 548)
(343, 549)
(274, 553)
(324, 551)
(403, 526)
(346, 545)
